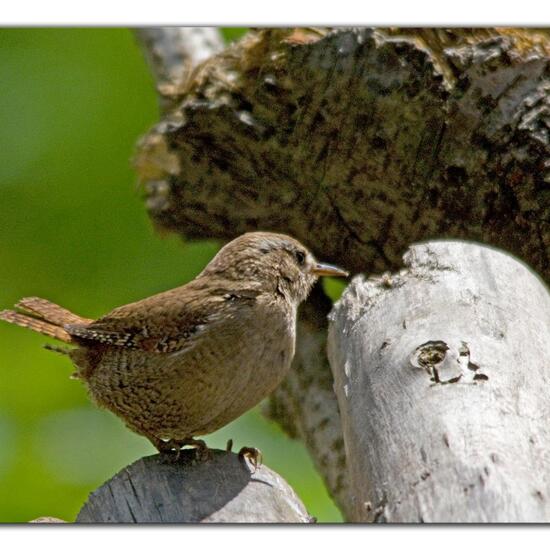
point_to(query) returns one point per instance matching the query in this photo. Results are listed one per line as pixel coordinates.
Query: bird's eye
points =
(300, 257)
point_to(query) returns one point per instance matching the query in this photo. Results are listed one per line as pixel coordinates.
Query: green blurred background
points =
(73, 229)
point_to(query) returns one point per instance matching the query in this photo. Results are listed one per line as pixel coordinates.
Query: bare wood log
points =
(442, 378)
(224, 489)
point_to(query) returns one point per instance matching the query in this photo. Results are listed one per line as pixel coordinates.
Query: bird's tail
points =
(44, 317)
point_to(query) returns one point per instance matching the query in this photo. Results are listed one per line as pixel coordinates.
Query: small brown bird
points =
(188, 361)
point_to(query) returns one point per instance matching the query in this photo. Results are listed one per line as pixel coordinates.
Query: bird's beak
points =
(329, 270)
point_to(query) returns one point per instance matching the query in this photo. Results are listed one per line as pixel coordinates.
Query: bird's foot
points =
(173, 447)
(169, 450)
(254, 456)
(163, 446)
(202, 452)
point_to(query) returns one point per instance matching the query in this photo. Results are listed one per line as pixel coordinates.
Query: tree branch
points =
(173, 53)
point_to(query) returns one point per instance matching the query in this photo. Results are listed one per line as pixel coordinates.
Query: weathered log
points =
(359, 142)
(442, 377)
(224, 489)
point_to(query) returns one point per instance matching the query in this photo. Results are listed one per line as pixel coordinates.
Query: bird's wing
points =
(166, 323)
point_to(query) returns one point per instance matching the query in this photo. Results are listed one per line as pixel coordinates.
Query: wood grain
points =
(442, 378)
(225, 489)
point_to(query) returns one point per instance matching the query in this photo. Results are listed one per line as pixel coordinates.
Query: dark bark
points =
(359, 143)
(305, 405)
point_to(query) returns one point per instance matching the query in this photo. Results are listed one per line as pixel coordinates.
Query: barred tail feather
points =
(38, 325)
(50, 312)
(44, 317)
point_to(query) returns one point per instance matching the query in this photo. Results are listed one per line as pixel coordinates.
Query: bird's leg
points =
(202, 452)
(162, 446)
(229, 446)
(253, 454)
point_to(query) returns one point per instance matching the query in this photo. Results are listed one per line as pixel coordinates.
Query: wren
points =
(185, 362)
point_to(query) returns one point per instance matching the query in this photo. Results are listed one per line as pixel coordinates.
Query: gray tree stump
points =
(225, 489)
(442, 374)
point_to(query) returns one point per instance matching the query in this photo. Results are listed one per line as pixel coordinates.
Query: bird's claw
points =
(202, 452)
(254, 456)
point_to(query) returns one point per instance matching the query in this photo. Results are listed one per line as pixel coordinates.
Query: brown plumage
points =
(186, 362)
